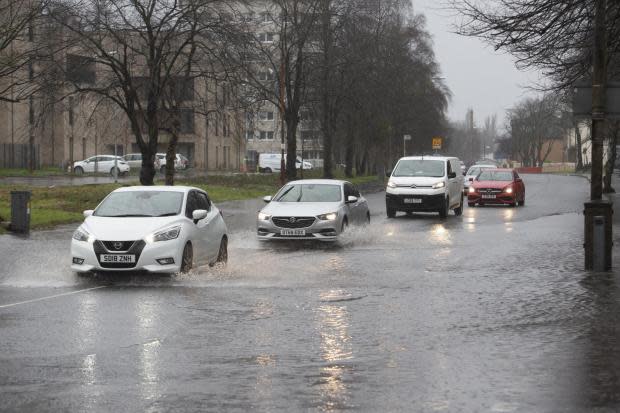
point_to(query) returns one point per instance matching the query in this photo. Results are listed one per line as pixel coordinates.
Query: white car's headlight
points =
(263, 217)
(472, 189)
(328, 217)
(439, 184)
(81, 234)
(391, 184)
(165, 235)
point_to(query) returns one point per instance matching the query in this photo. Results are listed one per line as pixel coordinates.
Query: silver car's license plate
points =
(117, 258)
(488, 196)
(413, 200)
(293, 232)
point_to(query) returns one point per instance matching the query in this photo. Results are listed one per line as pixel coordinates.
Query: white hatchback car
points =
(160, 229)
(103, 164)
(318, 209)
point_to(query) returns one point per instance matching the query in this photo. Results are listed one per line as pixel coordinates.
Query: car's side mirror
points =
(267, 198)
(199, 214)
(351, 199)
(88, 213)
(518, 180)
(452, 175)
(471, 179)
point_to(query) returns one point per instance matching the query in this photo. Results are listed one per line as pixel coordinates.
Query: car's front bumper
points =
(146, 256)
(500, 198)
(321, 230)
(423, 202)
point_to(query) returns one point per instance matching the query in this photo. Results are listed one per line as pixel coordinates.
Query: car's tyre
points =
(443, 212)
(391, 213)
(522, 202)
(187, 259)
(459, 210)
(345, 225)
(78, 170)
(118, 172)
(222, 255)
(367, 218)
(513, 204)
(268, 170)
(471, 204)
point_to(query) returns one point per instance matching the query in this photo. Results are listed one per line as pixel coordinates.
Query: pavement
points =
(488, 312)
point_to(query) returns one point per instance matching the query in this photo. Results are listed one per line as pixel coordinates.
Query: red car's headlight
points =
(472, 189)
(508, 190)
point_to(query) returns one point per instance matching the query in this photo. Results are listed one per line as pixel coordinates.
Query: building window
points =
(266, 135)
(264, 17)
(265, 37)
(249, 135)
(265, 115)
(265, 75)
(80, 69)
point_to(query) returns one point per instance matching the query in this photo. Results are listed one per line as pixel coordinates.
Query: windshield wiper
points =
(168, 214)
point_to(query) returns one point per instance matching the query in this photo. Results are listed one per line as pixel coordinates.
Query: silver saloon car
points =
(318, 209)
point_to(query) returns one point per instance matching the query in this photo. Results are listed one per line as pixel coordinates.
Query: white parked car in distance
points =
(180, 162)
(272, 162)
(135, 161)
(318, 209)
(101, 163)
(160, 229)
(425, 184)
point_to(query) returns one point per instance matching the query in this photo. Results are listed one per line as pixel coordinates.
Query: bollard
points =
(598, 235)
(20, 211)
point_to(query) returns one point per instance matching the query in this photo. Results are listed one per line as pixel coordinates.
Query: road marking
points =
(52, 296)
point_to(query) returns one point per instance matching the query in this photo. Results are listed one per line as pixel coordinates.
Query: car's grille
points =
(135, 249)
(293, 222)
(116, 246)
(489, 191)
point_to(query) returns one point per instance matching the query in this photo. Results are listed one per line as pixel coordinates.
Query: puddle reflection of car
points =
(159, 229)
(316, 209)
(497, 186)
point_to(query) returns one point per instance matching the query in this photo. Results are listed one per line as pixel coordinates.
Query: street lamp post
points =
(405, 139)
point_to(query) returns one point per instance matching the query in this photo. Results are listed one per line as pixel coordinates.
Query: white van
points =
(270, 162)
(425, 184)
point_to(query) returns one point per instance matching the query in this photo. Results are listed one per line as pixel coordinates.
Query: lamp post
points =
(405, 139)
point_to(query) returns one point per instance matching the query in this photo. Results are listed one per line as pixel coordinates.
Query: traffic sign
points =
(407, 137)
(437, 141)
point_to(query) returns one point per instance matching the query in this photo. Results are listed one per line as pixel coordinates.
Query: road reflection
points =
(149, 352)
(88, 329)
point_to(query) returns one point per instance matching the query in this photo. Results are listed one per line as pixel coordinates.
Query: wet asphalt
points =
(488, 312)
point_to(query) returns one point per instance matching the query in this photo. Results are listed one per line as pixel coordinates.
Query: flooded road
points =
(490, 311)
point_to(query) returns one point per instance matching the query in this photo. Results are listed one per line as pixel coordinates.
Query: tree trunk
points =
(578, 153)
(349, 148)
(291, 144)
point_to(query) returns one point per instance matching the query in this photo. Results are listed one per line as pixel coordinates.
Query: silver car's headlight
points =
(439, 184)
(391, 184)
(263, 217)
(165, 235)
(81, 234)
(331, 216)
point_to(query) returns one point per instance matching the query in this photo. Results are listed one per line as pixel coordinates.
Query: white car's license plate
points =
(412, 200)
(117, 258)
(293, 232)
(488, 196)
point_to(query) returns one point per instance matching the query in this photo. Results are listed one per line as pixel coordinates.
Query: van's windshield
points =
(419, 167)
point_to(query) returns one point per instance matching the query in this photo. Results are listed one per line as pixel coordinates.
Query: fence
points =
(18, 155)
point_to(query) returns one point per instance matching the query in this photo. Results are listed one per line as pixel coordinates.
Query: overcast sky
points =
(478, 77)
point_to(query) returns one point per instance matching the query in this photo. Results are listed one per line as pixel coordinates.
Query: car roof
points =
(318, 181)
(433, 157)
(160, 188)
(503, 169)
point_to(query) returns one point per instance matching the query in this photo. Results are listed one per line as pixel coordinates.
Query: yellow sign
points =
(437, 142)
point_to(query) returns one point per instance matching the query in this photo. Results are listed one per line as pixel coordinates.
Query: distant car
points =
(271, 162)
(161, 229)
(101, 163)
(317, 209)
(472, 173)
(180, 162)
(135, 160)
(497, 186)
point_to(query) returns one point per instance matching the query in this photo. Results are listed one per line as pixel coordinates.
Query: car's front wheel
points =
(459, 211)
(187, 260)
(222, 255)
(78, 170)
(443, 212)
(118, 172)
(391, 213)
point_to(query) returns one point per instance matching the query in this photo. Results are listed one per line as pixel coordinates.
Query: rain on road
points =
(490, 311)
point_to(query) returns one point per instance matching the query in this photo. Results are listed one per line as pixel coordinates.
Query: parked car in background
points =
(103, 164)
(497, 186)
(135, 160)
(425, 184)
(271, 162)
(318, 209)
(180, 162)
(161, 229)
(472, 173)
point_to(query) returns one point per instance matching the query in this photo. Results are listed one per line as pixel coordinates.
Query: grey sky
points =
(478, 77)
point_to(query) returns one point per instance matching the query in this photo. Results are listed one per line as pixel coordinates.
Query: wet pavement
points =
(488, 312)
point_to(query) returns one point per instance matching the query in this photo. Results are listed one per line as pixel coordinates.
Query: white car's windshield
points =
(309, 193)
(141, 204)
(495, 176)
(419, 167)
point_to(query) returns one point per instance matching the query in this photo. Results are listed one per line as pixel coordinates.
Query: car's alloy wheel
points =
(118, 172)
(222, 255)
(187, 260)
(78, 170)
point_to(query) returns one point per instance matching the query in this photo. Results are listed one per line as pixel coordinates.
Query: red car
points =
(497, 186)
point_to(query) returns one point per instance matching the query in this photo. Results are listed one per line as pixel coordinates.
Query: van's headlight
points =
(328, 217)
(263, 217)
(391, 184)
(165, 235)
(439, 184)
(81, 234)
